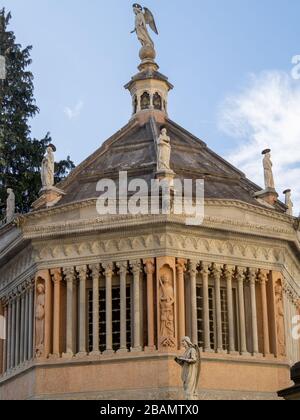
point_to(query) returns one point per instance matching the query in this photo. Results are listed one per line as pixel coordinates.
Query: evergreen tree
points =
(20, 155)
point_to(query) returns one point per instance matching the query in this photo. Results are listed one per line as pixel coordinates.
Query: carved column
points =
(263, 278)
(82, 274)
(13, 335)
(17, 330)
(9, 333)
(181, 268)
(217, 272)
(22, 332)
(228, 273)
(277, 314)
(240, 276)
(31, 322)
(2, 337)
(193, 284)
(206, 322)
(5, 344)
(70, 277)
(95, 270)
(123, 270)
(26, 330)
(108, 267)
(252, 276)
(150, 270)
(136, 271)
(57, 279)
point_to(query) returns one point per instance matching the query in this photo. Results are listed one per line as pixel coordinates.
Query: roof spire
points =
(149, 88)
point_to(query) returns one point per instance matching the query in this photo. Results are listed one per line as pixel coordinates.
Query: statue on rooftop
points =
(288, 202)
(143, 18)
(47, 170)
(268, 170)
(10, 205)
(163, 151)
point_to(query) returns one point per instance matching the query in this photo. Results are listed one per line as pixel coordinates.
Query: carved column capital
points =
(252, 275)
(108, 269)
(216, 271)
(204, 268)
(228, 271)
(149, 266)
(70, 274)
(82, 272)
(136, 267)
(193, 267)
(263, 276)
(57, 275)
(240, 274)
(95, 269)
(122, 267)
(181, 266)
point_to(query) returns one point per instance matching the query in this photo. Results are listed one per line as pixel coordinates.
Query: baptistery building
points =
(96, 305)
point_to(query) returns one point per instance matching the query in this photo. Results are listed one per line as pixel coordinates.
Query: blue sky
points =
(220, 55)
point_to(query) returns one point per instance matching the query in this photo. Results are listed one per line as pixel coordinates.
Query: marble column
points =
(217, 273)
(263, 278)
(82, 274)
(2, 337)
(193, 287)
(136, 271)
(5, 345)
(13, 335)
(240, 276)
(123, 270)
(150, 270)
(22, 332)
(26, 330)
(181, 269)
(70, 277)
(17, 330)
(206, 321)
(9, 334)
(229, 273)
(252, 276)
(57, 279)
(95, 272)
(31, 322)
(108, 267)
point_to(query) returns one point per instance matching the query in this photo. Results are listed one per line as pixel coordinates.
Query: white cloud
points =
(266, 114)
(75, 112)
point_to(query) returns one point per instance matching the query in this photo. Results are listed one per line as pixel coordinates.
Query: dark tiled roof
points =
(133, 149)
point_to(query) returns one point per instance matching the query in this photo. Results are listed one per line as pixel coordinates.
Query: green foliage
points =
(20, 155)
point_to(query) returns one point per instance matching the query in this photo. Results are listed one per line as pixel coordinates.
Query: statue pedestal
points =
(293, 393)
(49, 196)
(167, 175)
(269, 195)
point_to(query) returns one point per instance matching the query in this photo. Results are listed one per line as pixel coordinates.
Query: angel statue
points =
(143, 18)
(191, 368)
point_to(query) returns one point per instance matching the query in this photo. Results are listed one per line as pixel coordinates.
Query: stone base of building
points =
(145, 377)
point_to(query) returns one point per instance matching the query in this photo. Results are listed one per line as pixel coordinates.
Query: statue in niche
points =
(40, 319)
(163, 151)
(280, 318)
(268, 170)
(10, 205)
(191, 367)
(144, 17)
(157, 102)
(145, 101)
(167, 313)
(47, 170)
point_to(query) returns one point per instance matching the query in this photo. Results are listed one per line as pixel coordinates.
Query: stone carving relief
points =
(280, 318)
(167, 308)
(40, 317)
